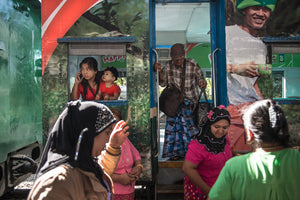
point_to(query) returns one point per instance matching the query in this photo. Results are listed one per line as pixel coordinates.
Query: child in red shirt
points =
(109, 90)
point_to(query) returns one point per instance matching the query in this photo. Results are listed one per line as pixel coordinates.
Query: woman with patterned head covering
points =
(271, 171)
(207, 154)
(245, 50)
(70, 167)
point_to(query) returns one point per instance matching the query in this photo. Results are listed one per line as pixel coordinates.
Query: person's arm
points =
(109, 158)
(201, 78)
(74, 93)
(124, 179)
(98, 95)
(258, 90)
(137, 169)
(114, 97)
(246, 69)
(161, 77)
(190, 171)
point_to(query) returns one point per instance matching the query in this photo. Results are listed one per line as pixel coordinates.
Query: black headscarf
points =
(205, 136)
(85, 119)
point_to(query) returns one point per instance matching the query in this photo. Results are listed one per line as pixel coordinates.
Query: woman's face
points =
(255, 17)
(101, 139)
(220, 128)
(87, 72)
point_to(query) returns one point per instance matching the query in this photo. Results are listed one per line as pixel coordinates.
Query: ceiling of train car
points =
(184, 23)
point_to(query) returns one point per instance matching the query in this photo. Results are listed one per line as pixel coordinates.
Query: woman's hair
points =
(116, 112)
(92, 64)
(113, 70)
(266, 120)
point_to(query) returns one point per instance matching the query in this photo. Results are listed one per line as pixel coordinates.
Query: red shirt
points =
(89, 94)
(110, 91)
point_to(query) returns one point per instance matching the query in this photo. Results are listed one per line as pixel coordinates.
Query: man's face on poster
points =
(255, 17)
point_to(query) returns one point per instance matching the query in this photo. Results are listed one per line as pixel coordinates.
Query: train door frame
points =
(219, 81)
(217, 16)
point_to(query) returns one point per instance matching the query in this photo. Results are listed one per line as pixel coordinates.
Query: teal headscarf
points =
(240, 4)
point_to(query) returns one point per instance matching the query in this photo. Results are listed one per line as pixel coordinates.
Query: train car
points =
(21, 91)
(133, 35)
(130, 35)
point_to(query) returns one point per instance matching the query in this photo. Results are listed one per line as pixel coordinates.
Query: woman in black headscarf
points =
(69, 167)
(207, 154)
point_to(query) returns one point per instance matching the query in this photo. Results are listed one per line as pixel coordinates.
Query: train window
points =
(286, 75)
(119, 62)
(109, 51)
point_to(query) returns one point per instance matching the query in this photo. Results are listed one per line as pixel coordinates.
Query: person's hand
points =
(157, 67)
(202, 84)
(77, 77)
(119, 134)
(246, 69)
(106, 97)
(136, 172)
(97, 97)
(126, 179)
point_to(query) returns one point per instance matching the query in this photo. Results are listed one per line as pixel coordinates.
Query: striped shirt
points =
(193, 74)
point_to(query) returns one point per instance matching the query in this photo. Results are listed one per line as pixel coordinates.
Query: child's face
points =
(108, 76)
(88, 73)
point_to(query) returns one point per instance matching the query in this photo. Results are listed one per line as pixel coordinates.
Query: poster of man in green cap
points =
(245, 53)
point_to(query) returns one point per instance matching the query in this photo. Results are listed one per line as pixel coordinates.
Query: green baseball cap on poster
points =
(240, 4)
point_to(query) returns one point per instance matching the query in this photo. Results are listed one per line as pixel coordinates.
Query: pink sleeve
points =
(135, 153)
(196, 152)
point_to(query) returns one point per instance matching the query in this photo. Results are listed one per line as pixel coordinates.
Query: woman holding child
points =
(91, 85)
(87, 80)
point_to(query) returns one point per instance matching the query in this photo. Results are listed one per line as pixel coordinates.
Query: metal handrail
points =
(213, 75)
(158, 120)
